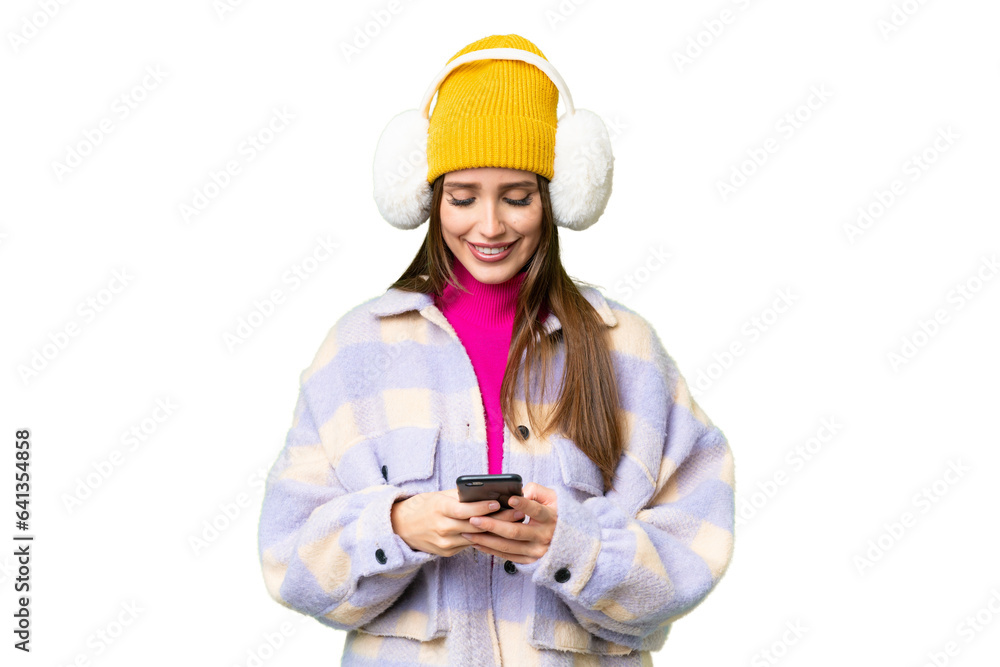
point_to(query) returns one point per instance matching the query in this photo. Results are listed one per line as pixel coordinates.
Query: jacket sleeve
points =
(326, 552)
(625, 574)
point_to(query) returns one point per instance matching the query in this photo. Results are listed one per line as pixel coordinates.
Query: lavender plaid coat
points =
(390, 407)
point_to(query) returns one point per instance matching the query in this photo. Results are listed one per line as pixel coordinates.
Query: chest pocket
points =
(405, 456)
(577, 470)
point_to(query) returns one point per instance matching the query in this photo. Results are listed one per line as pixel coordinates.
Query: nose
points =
(491, 225)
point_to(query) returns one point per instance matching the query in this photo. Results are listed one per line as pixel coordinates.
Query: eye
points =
(512, 202)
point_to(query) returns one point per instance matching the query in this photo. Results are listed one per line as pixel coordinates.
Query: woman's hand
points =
(436, 522)
(519, 542)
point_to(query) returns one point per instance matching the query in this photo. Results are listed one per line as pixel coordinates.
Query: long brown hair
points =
(588, 408)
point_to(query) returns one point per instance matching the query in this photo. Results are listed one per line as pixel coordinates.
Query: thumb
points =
(537, 492)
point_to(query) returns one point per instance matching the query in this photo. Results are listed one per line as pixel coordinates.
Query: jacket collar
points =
(396, 301)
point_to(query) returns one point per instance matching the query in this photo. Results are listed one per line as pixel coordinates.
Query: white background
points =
(891, 82)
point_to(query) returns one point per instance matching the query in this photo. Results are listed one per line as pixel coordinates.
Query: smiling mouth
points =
(491, 251)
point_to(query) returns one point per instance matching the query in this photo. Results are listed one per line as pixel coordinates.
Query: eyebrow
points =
(475, 186)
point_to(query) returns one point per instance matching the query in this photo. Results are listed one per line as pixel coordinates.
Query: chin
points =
(496, 273)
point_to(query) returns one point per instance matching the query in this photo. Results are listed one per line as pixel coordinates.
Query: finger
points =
(517, 558)
(507, 515)
(458, 526)
(511, 530)
(460, 510)
(522, 560)
(536, 510)
(536, 491)
(503, 546)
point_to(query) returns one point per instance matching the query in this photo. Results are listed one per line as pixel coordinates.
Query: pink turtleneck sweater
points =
(483, 318)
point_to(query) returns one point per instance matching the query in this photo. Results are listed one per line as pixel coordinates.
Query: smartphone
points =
(488, 487)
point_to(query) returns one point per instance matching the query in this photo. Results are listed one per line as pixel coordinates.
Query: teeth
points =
(490, 251)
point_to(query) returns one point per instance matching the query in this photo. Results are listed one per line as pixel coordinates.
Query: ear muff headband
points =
(505, 53)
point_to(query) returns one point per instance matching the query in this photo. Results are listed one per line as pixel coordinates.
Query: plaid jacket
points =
(390, 407)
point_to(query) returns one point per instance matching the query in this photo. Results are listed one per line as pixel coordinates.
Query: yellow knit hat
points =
(494, 113)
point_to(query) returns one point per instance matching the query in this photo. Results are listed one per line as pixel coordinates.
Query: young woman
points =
(484, 357)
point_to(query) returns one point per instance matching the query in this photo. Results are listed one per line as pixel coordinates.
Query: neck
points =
(486, 305)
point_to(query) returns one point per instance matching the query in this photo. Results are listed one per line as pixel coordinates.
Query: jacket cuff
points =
(381, 550)
(572, 554)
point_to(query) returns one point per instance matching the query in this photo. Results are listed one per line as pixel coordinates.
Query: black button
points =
(523, 430)
(380, 557)
(509, 567)
(385, 473)
(562, 575)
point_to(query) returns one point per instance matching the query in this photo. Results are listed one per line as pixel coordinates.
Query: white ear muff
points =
(402, 193)
(582, 169)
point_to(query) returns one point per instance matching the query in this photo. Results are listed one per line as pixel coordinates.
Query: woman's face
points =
(495, 208)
